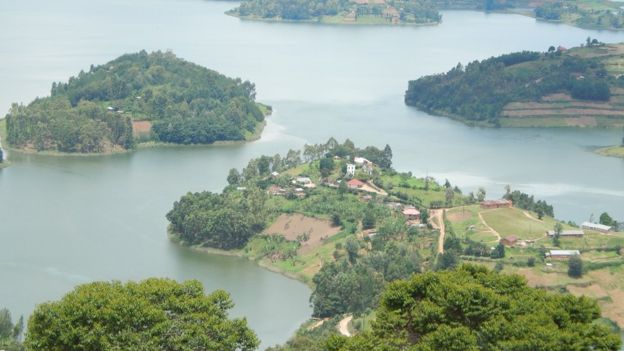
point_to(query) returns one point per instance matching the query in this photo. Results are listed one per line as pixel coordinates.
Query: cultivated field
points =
(294, 227)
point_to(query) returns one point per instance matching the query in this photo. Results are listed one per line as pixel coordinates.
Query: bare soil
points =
(141, 127)
(293, 226)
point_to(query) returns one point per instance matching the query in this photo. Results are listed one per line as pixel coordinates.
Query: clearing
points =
(297, 227)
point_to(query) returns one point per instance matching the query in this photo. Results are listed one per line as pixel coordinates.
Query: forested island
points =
(416, 12)
(134, 98)
(581, 86)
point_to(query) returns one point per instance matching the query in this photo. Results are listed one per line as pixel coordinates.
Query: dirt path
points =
(498, 236)
(343, 325)
(531, 217)
(439, 224)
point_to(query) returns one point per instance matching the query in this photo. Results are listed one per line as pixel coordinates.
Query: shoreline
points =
(321, 21)
(250, 137)
(611, 151)
(175, 239)
(509, 123)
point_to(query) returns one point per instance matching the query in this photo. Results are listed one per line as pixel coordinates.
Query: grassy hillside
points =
(580, 87)
(601, 253)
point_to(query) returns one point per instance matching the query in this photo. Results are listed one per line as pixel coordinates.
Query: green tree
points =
(499, 251)
(326, 166)
(481, 194)
(557, 237)
(606, 219)
(155, 314)
(233, 177)
(474, 309)
(575, 267)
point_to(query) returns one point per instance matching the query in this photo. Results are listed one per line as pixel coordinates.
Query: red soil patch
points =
(294, 226)
(141, 127)
(458, 216)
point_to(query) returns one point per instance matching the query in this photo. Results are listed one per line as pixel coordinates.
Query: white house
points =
(595, 226)
(360, 161)
(350, 169)
(562, 253)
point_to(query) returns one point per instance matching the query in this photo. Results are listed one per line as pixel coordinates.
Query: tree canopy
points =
(473, 308)
(155, 314)
(93, 111)
(481, 90)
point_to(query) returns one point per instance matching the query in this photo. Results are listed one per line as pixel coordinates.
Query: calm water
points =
(69, 220)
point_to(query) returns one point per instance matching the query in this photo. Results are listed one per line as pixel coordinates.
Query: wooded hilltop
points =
(582, 86)
(160, 96)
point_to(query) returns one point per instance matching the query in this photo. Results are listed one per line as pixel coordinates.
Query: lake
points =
(70, 220)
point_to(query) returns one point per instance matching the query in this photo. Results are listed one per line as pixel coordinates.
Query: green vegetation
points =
(341, 11)
(10, 333)
(178, 101)
(598, 14)
(612, 151)
(155, 314)
(529, 89)
(473, 308)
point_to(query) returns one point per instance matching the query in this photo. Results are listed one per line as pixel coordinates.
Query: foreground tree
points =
(155, 314)
(474, 308)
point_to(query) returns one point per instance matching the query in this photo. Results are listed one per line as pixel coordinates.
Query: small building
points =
(368, 168)
(488, 204)
(361, 161)
(274, 174)
(355, 184)
(303, 180)
(411, 213)
(350, 169)
(567, 233)
(509, 240)
(562, 254)
(597, 227)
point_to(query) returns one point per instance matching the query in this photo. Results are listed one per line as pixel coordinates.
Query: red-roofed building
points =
(411, 213)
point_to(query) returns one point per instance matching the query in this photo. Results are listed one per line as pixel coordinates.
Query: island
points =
(141, 97)
(341, 219)
(599, 14)
(418, 12)
(578, 87)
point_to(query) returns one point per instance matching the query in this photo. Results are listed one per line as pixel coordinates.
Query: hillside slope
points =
(576, 87)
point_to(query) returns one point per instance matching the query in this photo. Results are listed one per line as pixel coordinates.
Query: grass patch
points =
(612, 151)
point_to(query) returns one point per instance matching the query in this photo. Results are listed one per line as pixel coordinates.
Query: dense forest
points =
(481, 90)
(93, 112)
(396, 11)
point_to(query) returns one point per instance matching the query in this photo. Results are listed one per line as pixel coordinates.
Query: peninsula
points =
(341, 219)
(578, 87)
(136, 98)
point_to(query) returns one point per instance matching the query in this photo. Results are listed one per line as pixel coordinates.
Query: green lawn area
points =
(466, 224)
(513, 221)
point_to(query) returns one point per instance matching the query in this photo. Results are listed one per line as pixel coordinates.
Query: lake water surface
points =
(70, 220)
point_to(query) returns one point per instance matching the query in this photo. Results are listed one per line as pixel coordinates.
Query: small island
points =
(141, 97)
(417, 12)
(579, 87)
